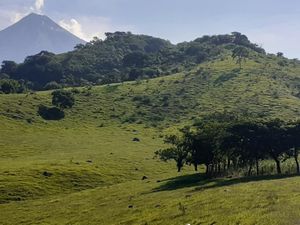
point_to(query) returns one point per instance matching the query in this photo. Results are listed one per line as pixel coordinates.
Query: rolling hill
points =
(123, 56)
(86, 168)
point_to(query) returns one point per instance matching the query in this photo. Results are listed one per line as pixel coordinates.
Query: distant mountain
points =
(33, 34)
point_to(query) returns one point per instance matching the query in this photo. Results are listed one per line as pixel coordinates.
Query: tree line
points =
(224, 146)
(122, 57)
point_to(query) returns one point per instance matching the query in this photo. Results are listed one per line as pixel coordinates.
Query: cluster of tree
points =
(223, 146)
(120, 57)
(9, 86)
(61, 99)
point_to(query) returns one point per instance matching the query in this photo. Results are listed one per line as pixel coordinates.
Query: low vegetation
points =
(61, 99)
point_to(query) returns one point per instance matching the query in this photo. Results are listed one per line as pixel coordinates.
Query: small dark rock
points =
(47, 174)
(158, 181)
(136, 169)
(136, 139)
(157, 206)
(89, 161)
(144, 178)
(29, 120)
(130, 206)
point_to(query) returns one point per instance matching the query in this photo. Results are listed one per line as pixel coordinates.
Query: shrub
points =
(8, 86)
(142, 99)
(52, 85)
(53, 113)
(63, 99)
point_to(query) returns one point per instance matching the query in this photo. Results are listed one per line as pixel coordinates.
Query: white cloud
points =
(13, 13)
(10, 16)
(39, 4)
(74, 27)
(85, 27)
(16, 16)
(88, 27)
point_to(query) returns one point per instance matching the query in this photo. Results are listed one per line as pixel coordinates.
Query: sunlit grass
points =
(86, 168)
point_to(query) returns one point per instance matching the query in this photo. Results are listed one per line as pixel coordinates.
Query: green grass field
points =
(86, 168)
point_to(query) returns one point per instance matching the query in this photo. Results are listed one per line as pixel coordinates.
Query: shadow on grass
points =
(201, 182)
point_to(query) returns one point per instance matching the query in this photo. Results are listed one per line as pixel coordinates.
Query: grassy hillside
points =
(120, 57)
(86, 168)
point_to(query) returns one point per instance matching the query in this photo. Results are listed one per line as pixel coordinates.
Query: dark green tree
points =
(177, 152)
(8, 86)
(240, 54)
(9, 67)
(246, 138)
(293, 131)
(276, 141)
(63, 99)
(279, 54)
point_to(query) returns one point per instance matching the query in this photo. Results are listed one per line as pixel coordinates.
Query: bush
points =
(63, 99)
(142, 99)
(53, 113)
(8, 86)
(129, 119)
(52, 85)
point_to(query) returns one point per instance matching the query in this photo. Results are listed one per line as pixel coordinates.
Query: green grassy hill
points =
(86, 168)
(119, 57)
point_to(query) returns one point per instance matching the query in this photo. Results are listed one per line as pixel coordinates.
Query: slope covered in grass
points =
(86, 168)
(271, 200)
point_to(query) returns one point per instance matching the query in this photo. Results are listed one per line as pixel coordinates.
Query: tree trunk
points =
(257, 167)
(278, 167)
(211, 170)
(219, 168)
(179, 165)
(296, 160)
(206, 169)
(250, 170)
(216, 170)
(235, 163)
(228, 164)
(196, 166)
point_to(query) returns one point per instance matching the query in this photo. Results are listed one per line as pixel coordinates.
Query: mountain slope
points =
(33, 34)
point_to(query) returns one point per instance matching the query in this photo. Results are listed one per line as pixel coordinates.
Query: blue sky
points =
(274, 24)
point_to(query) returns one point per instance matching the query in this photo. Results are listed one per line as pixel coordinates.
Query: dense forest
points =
(120, 57)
